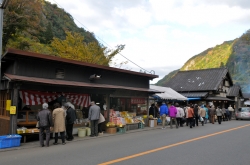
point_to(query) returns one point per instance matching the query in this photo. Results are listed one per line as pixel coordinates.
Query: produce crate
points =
(131, 126)
(121, 130)
(141, 125)
(9, 141)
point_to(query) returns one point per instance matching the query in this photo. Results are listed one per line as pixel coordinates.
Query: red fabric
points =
(38, 98)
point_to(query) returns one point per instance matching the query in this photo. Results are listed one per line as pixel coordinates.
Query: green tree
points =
(48, 34)
(21, 16)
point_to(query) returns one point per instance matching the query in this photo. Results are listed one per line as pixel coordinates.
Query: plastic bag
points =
(201, 119)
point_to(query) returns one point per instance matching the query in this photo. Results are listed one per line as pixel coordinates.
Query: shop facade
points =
(29, 79)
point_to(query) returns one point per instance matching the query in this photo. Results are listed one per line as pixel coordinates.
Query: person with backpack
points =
(219, 114)
(207, 114)
(163, 114)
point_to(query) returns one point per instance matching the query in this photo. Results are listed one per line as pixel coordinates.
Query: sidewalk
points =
(35, 144)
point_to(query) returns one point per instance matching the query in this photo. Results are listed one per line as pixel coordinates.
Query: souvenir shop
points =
(121, 94)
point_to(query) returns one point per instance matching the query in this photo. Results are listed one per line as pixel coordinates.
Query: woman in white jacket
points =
(179, 116)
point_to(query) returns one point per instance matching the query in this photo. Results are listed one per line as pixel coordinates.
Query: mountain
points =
(41, 27)
(235, 55)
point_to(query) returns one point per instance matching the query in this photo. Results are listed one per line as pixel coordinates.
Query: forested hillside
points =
(42, 27)
(235, 55)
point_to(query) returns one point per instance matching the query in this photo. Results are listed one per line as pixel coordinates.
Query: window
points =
(60, 73)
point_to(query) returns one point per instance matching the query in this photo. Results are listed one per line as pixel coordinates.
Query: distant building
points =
(207, 86)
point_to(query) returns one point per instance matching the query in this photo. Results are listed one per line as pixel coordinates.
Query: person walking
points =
(212, 113)
(70, 119)
(94, 115)
(179, 115)
(163, 114)
(191, 115)
(202, 115)
(196, 114)
(100, 121)
(172, 115)
(206, 116)
(223, 114)
(219, 114)
(231, 110)
(186, 114)
(45, 124)
(58, 116)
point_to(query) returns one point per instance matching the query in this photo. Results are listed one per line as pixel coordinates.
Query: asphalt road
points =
(225, 144)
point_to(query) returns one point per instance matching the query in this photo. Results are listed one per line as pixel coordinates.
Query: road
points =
(225, 144)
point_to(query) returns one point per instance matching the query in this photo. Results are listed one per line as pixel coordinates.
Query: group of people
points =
(191, 114)
(62, 119)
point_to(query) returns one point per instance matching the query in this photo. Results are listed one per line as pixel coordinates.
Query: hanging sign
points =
(138, 100)
(12, 110)
(8, 103)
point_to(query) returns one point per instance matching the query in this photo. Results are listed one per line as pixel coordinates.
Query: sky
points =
(159, 35)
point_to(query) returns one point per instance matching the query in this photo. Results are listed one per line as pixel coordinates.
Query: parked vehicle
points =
(243, 113)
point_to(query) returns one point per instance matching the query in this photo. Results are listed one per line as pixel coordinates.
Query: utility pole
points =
(3, 6)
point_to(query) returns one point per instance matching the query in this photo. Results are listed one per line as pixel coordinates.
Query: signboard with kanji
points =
(138, 101)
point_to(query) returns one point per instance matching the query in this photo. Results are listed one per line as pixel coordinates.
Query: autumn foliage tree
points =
(74, 47)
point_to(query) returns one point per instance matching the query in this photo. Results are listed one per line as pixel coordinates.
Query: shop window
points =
(60, 73)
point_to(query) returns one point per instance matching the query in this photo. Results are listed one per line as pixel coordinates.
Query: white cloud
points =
(161, 35)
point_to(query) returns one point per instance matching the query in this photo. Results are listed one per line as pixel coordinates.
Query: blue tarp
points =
(194, 98)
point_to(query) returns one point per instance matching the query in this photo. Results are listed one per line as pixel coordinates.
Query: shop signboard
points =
(138, 100)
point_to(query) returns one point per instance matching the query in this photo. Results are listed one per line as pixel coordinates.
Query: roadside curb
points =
(35, 144)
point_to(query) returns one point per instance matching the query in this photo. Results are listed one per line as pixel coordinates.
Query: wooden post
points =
(13, 118)
(108, 106)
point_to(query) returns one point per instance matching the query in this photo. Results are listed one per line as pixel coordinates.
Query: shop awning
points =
(194, 98)
(167, 93)
(38, 98)
(73, 83)
(247, 102)
(218, 99)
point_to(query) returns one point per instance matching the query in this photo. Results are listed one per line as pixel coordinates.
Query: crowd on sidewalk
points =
(190, 115)
(61, 121)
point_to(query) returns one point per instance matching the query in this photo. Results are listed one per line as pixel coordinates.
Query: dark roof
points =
(234, 90)
(16, 52)
(218, 99)
(73, 83)
(194, 94)
(246, 95)
(198, 80)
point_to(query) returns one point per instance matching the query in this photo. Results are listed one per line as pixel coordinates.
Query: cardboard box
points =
(152, 123)
(111, 130)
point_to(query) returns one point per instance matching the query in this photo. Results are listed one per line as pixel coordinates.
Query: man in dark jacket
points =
(196, 114)
(94, 115)
(153, 111)
(70, 119)
(45, 123)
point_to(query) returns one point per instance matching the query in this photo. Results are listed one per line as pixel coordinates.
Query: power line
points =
(108, 44)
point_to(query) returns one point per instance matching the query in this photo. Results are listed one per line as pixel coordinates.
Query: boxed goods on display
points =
(123, 118)
(111, 130)
(9, 141)
(152, 122)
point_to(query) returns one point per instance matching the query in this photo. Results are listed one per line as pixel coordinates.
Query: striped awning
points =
(38, 98)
